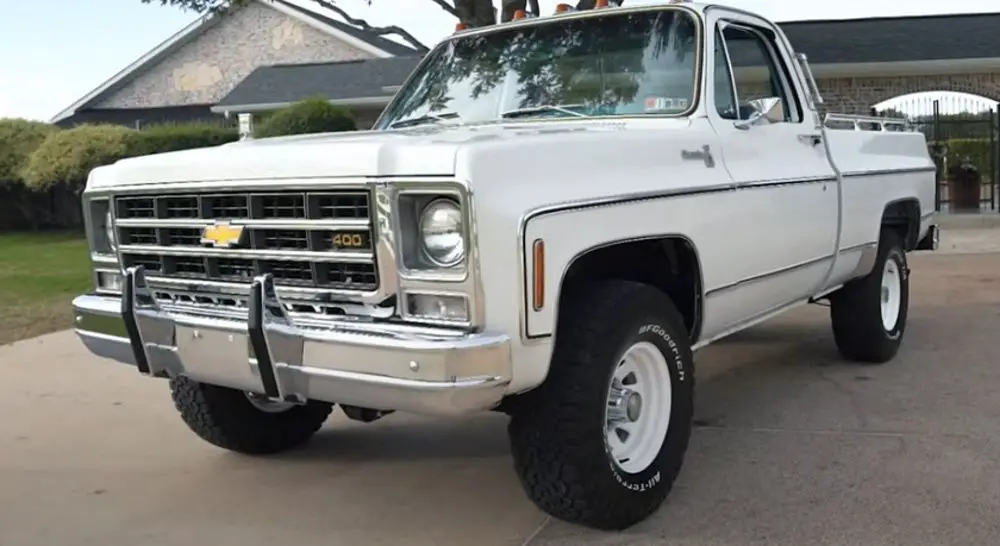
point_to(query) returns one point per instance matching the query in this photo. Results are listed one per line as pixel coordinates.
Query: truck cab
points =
(548, 219)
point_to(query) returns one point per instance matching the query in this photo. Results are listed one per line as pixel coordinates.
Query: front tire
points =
(602, 440)
(869, 314)
(230, 419)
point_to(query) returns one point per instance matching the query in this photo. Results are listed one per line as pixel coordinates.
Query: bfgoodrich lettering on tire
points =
(601, 442)
(869, 314)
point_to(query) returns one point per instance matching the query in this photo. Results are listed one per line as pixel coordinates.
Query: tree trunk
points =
(476, 13)
(509, 7)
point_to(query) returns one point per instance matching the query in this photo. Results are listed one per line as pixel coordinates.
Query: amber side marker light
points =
(538, 275)
(563, 8)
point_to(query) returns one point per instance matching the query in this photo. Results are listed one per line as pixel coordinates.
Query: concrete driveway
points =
(793, 446)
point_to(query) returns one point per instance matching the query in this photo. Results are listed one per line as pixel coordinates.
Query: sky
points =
(56, 51)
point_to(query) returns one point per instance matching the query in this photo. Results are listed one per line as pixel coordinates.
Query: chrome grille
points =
(318, 240)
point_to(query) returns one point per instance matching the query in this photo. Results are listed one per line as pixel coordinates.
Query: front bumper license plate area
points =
(205, 350)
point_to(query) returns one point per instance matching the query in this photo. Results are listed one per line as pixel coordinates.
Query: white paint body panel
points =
(772, 219)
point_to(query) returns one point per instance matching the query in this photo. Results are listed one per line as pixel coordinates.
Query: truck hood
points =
(429, 150)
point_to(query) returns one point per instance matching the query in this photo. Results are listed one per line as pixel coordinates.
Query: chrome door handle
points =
(812, 140)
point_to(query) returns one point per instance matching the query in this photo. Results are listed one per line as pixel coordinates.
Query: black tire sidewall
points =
(666, 465)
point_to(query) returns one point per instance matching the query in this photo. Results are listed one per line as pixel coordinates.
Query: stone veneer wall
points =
(205, 70)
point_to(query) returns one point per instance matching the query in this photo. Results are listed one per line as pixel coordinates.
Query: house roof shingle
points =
(343, 80)
(893, 39)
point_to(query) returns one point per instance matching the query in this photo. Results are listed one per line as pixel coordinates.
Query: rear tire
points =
(228, 419)
(569, 437)
(869, 314)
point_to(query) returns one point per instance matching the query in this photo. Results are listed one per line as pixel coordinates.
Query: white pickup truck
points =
(548, 219)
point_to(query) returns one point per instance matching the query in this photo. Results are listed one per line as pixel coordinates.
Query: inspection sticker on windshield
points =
(666, 104)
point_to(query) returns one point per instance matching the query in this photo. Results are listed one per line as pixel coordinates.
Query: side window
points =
(725, 95)
(758, 72)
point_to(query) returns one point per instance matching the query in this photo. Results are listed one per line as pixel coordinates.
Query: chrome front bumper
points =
(383, 368)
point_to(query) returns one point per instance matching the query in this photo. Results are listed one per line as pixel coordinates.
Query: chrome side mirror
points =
(769, 109)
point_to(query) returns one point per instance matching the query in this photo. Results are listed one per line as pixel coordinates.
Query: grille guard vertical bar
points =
(133, 288)
(263, 296)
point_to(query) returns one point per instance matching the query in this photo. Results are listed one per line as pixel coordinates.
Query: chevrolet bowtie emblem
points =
(222, 235)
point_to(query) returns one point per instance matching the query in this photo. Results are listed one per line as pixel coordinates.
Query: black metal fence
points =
(965, 146)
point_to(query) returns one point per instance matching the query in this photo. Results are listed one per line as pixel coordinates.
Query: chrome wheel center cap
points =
(633, 406)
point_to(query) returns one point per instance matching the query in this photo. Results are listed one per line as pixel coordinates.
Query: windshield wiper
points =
(531, 110)
(426, 118)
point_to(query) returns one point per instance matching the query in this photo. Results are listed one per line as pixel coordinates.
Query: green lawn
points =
(39, 276)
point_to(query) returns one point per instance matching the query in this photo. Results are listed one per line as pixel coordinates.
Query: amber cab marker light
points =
(538, 269)
(519, 14)
(601, 4)
(459, 27)
(562, 8)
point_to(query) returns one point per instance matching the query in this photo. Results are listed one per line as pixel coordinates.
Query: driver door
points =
(773, 151)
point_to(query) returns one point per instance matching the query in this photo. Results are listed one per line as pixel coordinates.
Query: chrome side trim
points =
(752, 321)
(881, 172)
(768, 274)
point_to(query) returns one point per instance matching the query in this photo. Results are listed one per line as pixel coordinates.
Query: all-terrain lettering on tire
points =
(602, 440)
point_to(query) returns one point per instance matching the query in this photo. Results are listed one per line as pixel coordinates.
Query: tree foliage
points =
(471, 13)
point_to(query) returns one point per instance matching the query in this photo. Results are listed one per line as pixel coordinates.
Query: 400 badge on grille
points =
(306, 239)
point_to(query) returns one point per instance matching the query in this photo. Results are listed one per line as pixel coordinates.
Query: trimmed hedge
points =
(171, 138)
(43, 168)
(308, 116)
(19, 138)
(67, 157)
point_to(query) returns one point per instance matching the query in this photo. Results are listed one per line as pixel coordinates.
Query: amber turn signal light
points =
(538, 275)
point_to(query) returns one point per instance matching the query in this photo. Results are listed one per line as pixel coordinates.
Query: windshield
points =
(619, 64)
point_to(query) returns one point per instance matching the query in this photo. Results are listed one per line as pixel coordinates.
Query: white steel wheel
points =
(637, 416)
(891, 295)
